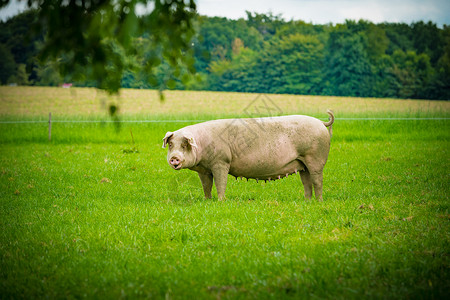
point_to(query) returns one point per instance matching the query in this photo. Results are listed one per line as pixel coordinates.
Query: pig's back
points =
(266, 148)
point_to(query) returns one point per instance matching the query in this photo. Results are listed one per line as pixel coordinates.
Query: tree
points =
(348, 71)
(412, 74)
(215, 38)
(48, 74)
(441, 84)
(266, 24)
(400, 37)
(21, 75)
(93, 38)
(288, 65)
(237, 45)
(7, 64)
(377, 42)
(293, 64)
(427, 39)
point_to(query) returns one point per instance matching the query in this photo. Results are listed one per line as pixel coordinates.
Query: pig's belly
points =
(269, 168)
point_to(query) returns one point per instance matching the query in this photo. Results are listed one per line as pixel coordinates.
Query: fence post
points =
(49, 127)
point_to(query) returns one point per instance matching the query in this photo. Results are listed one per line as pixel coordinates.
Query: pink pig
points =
(260, 148)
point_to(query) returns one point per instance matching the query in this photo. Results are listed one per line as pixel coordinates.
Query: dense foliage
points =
(265, 54)
(96, 41)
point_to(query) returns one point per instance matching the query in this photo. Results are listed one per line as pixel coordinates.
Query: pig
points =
(266, 149)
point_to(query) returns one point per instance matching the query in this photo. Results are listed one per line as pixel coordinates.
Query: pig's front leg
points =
(220, 174)
(207, 183)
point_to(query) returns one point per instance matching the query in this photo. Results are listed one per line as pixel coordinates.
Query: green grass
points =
(86, 216)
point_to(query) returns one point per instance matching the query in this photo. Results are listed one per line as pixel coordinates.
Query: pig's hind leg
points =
(313, 177)
(307, 183)
(306, 178)
(317, 180)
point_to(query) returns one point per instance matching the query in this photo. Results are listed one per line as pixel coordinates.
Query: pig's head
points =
(182, 152)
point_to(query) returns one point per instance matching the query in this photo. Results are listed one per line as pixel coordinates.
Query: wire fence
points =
(51, 121)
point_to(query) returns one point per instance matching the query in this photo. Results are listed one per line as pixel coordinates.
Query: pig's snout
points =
(175, 162)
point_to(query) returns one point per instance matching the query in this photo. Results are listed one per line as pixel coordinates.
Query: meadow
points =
(97, 213)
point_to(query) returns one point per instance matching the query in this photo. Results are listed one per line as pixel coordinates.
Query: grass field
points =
(93, 215)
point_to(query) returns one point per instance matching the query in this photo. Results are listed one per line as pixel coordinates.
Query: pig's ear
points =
(191, 142)
(166, 138)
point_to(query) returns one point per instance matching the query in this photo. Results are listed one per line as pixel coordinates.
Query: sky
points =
(315, 11)
(334, 11)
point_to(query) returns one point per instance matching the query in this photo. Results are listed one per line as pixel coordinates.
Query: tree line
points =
(262, 53)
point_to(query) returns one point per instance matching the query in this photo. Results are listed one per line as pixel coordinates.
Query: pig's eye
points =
(170, 145)
(184, 146)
